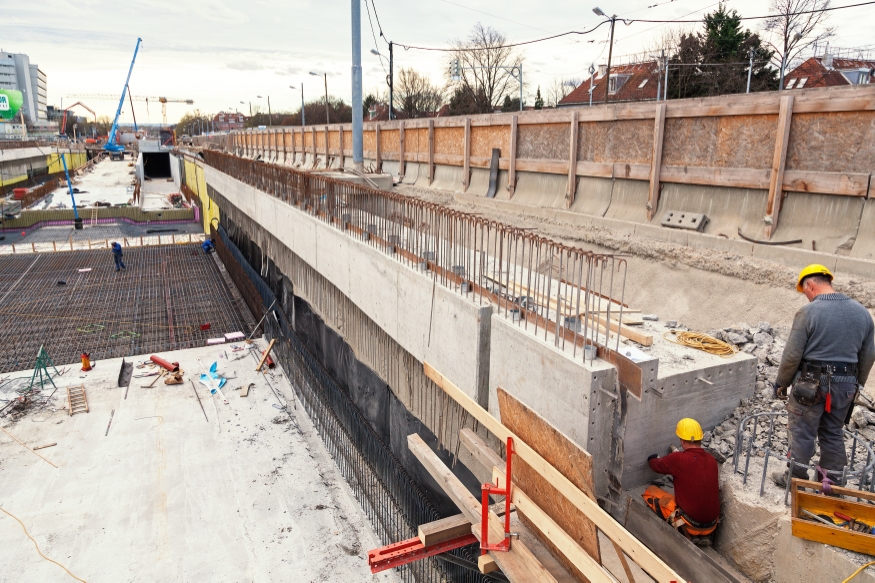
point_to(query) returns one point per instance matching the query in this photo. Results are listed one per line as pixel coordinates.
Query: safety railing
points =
(566, 294)
(856, 473)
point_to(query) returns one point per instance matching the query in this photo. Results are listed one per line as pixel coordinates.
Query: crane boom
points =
(112, 146)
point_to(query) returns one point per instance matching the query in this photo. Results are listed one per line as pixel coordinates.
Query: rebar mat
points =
(159, 303)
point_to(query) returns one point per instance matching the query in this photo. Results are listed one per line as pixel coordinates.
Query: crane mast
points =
(116, 150)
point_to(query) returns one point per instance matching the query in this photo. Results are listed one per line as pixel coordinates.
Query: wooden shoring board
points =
(573, 462)
(518, 564)
(633, 548)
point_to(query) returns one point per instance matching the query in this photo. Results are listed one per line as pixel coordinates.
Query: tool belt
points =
(678, 518)
(815, 375)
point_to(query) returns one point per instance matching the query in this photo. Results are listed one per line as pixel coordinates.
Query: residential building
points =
(223, 122)
(19, 74)
(632, 82)
(830, 71)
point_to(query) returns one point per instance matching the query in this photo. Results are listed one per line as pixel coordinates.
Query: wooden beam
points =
(285, 150)
(342, 157)
(656, 160)
(444, 529)
(633, 548)
(518, 564)
(572, 161)
(511, 172)
(294, 146)
(624, 331)
(401, 149)
(840, 183)
(313, 137)
(466, 172)
(379, 155)
(563, 542)
(327, 153)
(430, 151)
(779, 161)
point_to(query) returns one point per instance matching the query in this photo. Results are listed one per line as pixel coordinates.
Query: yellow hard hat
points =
(813, 269)
(689, 430)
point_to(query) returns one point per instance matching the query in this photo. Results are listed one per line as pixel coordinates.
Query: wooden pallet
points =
(76, 400)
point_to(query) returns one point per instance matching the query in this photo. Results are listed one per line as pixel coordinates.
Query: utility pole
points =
(303, 123)
(391, 80)
(613, 20)
(749, 70)
(357, 147)
(665, 85)
(269, 114)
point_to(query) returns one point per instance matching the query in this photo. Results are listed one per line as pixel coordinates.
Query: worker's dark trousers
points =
(119, 264)
(806, 423)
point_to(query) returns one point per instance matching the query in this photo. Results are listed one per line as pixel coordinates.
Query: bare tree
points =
(560, 88)
(796, 32)
(486, 66)
(415, 94)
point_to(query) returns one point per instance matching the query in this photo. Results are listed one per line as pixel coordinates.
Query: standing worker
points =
(828, 356)
(694, 509)
(117, 255)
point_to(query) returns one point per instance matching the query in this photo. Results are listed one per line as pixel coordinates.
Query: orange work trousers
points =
(665, 506)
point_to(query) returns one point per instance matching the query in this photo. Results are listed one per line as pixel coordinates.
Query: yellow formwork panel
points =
(74, 160)
(195, 180)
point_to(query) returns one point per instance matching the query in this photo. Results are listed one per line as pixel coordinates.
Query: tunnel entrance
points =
(156, 165)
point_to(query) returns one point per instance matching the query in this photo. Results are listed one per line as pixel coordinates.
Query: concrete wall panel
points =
(593, 196)
(628, 201)
(864, 246)
(447, 177)
(726, 208)
(828, 221)
(540, 190)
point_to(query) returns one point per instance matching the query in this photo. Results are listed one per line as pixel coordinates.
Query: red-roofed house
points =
(829, 71)
(636, 82)
(223, 122)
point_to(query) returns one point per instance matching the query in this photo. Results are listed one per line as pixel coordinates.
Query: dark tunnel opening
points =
(156, 165)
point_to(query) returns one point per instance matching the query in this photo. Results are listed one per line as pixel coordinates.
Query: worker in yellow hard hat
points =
(694, 508)
(829, 353)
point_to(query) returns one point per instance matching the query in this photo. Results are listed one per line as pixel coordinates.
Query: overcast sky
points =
(220, 53)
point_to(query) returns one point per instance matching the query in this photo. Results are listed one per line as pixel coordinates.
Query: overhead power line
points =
(628, 22)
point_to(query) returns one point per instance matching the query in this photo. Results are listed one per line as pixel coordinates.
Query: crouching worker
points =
(207, 246)
(694, 508)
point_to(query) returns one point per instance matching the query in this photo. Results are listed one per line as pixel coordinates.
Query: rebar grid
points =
(762, 426)
(564, 293)
(158, 304)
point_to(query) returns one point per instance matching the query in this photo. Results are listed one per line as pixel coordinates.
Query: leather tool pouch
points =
(806, 389)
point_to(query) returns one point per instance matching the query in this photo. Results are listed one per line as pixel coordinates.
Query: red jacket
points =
(696, 487)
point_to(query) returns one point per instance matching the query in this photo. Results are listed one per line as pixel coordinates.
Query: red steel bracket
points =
(488, 489)
(412, 549)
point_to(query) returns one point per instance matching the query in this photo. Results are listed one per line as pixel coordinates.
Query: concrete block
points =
(705, 241)
(679, 236)
(854, 266)
(794, 257)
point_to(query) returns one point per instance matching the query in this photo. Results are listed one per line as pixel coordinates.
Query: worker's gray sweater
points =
(832, 328)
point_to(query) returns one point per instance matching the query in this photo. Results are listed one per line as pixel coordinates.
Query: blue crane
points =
(116, 150)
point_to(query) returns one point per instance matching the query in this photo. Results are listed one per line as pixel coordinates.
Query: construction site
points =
(457, 360)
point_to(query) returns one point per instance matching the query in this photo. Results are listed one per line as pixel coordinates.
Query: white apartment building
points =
(17, 72)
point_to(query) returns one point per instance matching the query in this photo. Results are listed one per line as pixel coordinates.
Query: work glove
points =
(779, 392)
(652, 456)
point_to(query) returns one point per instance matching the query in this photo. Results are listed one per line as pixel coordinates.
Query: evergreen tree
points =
(539, 101)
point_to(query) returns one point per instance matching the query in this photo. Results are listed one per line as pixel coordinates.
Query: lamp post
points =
(303, 123)
(269, 115)
(613, 20)
(250, 107)
(325, 77)
(391, 79)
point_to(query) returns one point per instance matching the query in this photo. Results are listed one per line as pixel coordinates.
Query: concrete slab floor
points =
(250, 495)
(108, 181)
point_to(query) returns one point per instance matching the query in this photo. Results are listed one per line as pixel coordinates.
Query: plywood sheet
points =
(544, 142)
(484, 138)
(820, 142)
(390, 141)
(745, 141)
(369, 141)
(449, 141)
(629, 141)
(568, 458)
(333, 139)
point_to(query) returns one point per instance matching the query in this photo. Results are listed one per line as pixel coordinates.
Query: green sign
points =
(10, 102)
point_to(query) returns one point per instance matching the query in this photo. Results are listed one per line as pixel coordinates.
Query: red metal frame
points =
(488, 489)
(412, 549)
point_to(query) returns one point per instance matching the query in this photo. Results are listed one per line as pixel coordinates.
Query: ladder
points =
(76, 401)
(94, 216)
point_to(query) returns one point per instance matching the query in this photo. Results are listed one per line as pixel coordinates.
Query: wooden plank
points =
(624, 331)
(819, 503)
(779, 161)
(545, 166)
(595, 169)
(401, 149)
(313, 137)
(672, 546)
(563, 454)
(631, 171)
(430, 151)
(54, 443)
(636, 551)
(840, 183)
(554, 536)
(834, 536)
(511, 176)
(571, 188)
(342, 160)
(518, 564)
(707, 176)
(327, 153)
(466, 157)
(656, 160)
(264, 355)
(444, 529)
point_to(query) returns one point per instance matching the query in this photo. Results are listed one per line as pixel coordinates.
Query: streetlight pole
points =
(325, 77)
(749, 70)
(613, 20)
(303, 123)
(391, 78)
(357, 114)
